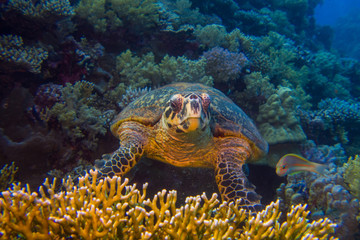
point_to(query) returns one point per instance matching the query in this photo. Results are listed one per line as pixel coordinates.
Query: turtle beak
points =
(192, 123)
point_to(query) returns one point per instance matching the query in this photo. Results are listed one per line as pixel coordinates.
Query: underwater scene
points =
(179, 119)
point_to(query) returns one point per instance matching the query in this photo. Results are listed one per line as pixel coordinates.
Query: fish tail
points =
(320, 168)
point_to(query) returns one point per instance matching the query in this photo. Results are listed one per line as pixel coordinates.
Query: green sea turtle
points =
(189, 125)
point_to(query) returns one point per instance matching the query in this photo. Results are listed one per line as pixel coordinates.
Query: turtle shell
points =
(227, 118)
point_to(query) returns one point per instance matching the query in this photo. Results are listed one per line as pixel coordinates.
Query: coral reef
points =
(144, 71)
(326, 195)
(111, 208)
(323, 153)
(333, 118)
(76, 60)
(15, 56)
(7, 174)
(136, 15)
(180, 13)
(258, 89)
(81, 121)
(352, 175)
(278, 122)
(45, 98)
(224, 66)
(43, 9)
(336, 111)
(211, 36)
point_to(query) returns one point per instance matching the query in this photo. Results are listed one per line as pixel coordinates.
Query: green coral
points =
(210, 36)
(135, 71)
(326, 62)
(144, 71)
(16, 56)
(111, 14)
(352, 175)
(296, 11)
(7, 174)
(185, 70)
(281, 57)
(186, 14)
(78, 116)
(277, 118)
(258, 85)
(258, 89)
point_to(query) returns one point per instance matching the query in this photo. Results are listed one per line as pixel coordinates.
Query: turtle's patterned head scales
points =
(187, 112)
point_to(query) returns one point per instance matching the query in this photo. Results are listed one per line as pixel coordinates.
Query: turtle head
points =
(186, 113)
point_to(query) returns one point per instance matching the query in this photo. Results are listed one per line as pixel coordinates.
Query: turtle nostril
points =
(193, 96)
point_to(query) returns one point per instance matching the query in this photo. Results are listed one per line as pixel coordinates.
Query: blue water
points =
(343, 18)
(331, 10)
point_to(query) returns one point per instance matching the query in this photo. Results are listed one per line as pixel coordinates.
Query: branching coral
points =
(16, 56)
(336, 117)
(78, 116)
(336, 111)
(111, 209)
(135, 71)
(134, 14)
(181, 69)
(210, 36)
(144, 71)
(43, 9)
(181, 13)
(7, 174)
(258, 90)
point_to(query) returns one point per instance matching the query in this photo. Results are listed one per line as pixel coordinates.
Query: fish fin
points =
(293, 173)
(298, 157)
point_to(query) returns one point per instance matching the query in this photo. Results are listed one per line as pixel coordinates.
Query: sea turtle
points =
(189, 125)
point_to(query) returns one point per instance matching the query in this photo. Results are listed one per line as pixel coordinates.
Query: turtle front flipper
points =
(132, 143)
(231, 179)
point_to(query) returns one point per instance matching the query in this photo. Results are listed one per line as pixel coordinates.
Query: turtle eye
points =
(205, 101)
(176, 103)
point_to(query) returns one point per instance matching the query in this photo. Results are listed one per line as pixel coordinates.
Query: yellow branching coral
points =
(112, 209)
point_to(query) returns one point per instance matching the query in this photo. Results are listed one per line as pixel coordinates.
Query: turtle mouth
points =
(191, 123)
(190, 118)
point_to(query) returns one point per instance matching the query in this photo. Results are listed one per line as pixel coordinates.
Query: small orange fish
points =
(293, 163)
